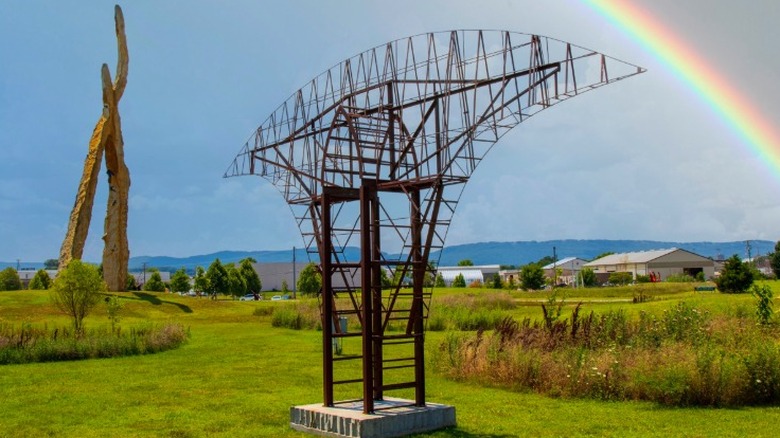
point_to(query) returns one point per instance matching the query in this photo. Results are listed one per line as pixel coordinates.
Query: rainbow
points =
(737, 112)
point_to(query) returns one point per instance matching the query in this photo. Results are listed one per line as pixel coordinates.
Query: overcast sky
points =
(644, 158)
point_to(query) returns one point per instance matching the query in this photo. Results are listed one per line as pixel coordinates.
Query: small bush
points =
(764, 296)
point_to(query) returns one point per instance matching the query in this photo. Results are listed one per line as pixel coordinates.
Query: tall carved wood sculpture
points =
(106, 137)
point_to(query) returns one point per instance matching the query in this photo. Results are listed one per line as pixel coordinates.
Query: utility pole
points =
(293, 285)
(144, 272)
(17, 265)
(555, 268)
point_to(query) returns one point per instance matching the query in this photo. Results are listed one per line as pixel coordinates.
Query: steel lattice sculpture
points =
(374, 153)
(106, 137)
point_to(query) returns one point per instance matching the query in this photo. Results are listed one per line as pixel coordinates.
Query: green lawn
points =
(238, 376)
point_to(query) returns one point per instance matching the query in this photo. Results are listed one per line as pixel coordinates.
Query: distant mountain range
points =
(483, 253)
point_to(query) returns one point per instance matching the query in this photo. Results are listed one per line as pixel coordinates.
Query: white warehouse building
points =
(662, 263)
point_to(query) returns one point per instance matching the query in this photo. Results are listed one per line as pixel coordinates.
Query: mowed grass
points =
(238, 376)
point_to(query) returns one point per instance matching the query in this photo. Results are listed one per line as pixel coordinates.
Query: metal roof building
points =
(662, 263)
(568, 268)
(482, 273)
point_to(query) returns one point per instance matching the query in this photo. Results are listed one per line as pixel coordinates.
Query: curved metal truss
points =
(374, 154)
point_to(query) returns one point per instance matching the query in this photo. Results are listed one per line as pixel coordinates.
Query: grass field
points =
(238, 376)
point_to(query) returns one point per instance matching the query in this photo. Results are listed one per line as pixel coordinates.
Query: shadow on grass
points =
(457, 433)
(151, 299)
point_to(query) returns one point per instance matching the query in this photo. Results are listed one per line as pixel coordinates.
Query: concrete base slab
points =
(392, 417)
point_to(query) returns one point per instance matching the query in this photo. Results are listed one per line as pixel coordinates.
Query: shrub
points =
(76, 290)
(476, 284)
(735, 277)
(41, 281)
(764, 296)
(621, 278)
(459, 281)
(9, 279)
(588, 277)
(532, 277)
(155, 283)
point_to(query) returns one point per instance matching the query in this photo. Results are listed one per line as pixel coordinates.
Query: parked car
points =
(276, 298)
(248, 297)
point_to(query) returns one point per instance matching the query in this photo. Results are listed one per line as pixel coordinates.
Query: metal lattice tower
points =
(374, 154)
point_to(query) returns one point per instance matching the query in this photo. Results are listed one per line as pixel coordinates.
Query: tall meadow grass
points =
(683, 357)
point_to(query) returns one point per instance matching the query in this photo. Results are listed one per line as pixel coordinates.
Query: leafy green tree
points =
(253, 283)
(774, 260)
(236, 283)
(51, 264)
(201, 282)
(735, 277)
(218, 279)
(384, 279)
(621, 278)
(154, 283)
(9, 279)
(41, 281)
(532, 277)
(180, 281)
(440, 281)
(588, 277)
(310, 280)
(466, 262)
(544, 261)
(459, 281)
(131, 283)
(76, 290)
(496, 282)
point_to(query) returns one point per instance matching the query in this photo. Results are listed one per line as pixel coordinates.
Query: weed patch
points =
(683, 357)
(29, 343)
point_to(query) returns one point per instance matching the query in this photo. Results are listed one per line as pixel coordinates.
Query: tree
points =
(236, 283)
(154, 283)
(774, 260)
(9, 279)
(735, 277)
(621, 278)
(218, 279)
(131, 283)
(496, 282)
(544, 261)
(588, 277)
(41, 281)
(439, 281)
(466, 262)
(201, 282)
(459, 281)
(180, 281)
(253, 283)
(51, 264)
(76, 290)
(384, 279)
(532, 277)
(309, 280)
